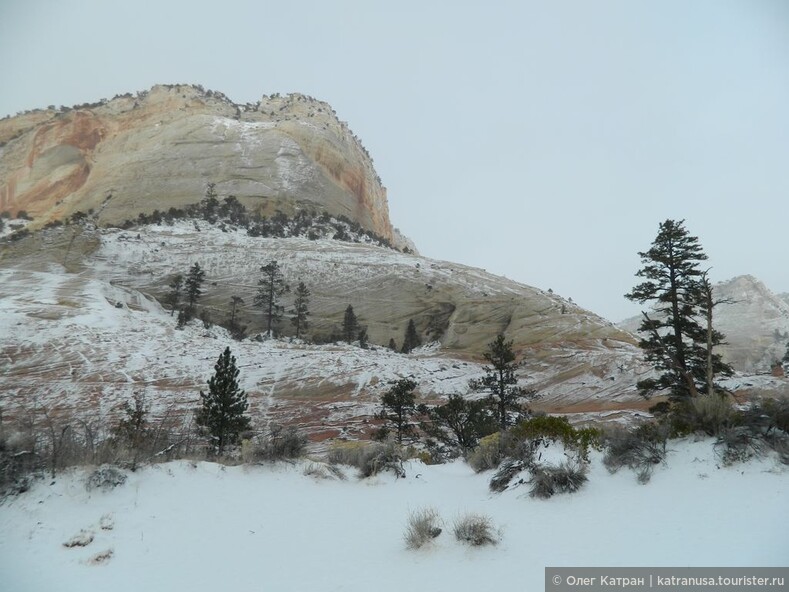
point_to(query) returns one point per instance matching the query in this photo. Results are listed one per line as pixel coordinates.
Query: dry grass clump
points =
(370, 458)
(423, 526)
(475, 530)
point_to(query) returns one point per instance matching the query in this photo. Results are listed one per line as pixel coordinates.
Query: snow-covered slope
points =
(204, 527)
(88, 338)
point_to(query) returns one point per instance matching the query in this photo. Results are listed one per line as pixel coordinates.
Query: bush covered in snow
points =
(566, 478)
(106, 477)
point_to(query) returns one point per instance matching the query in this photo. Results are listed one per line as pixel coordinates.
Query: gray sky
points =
(544, 141)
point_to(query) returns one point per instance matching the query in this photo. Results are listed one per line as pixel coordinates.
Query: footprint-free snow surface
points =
(205, 527)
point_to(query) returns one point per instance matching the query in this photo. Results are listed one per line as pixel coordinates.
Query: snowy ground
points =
(205, 527)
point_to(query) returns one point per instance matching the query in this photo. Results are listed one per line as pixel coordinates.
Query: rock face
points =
(160, 149)
(755, 323)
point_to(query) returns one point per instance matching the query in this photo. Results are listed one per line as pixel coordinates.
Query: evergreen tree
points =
(399, 405)
(411, 339)
(235, 302)
(392, 344)
(350, 325)
(223, 409)
(271, 288)
(363, 338)
(174, 295)
(786, 355)
(193, 285)
(210, 204)
(500, 381)
(300, 310)
(704, 348)
(460, 422)
(675, 342)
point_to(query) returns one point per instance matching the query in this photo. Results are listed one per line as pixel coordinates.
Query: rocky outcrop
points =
(160, 149)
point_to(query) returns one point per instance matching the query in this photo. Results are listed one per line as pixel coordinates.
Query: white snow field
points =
(206, 527)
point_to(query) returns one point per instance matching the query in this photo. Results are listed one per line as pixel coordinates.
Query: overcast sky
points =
(544, 141)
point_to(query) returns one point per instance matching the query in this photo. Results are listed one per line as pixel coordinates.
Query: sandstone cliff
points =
(159, 149)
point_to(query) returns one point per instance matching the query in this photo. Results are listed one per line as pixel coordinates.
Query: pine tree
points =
(224, 405)
(210, 204)
(271, 288)
(300, 310)
(174, 295)
(675, 342)
(399, 405)
(364, 340)
(713, 364)
(235, 302)
(411, 339)
(236, 329)
(350, 325)
(786, 355)
(193, 285)
(392, 344)
(460, 422)
(500, 381)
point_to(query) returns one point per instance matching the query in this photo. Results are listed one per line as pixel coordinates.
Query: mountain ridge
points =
(160, 148)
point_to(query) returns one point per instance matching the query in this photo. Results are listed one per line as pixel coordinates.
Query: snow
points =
(200, 526)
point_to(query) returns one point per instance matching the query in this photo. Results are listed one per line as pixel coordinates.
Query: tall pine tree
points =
(350, 325)
(223, 409)
(411, 339)
(174, 295)
(194, 285)
(300, 310)
(675, 342)
(271, 287)
(500, 381)
(399, 405)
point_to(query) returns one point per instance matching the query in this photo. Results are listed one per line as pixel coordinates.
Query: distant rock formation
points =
(160, 149)
(755, 323)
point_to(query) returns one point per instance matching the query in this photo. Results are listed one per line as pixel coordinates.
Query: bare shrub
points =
(281, 444)
(705, 413)
(739, 444)
(640, 449)
(423, 527)
(566, 478)
(20, 462)
(370, 458)
(105, 478)
(475, 530)
(322, 471)
(487, 455)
